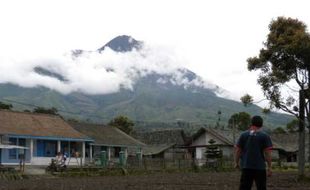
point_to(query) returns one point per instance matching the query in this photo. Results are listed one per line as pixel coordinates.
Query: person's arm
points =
(237, 157)
(268, 160)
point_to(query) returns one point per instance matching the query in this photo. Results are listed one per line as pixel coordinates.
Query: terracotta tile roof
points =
(36, 125)
(106, 135)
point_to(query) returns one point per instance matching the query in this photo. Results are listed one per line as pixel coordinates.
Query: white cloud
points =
(97, 73)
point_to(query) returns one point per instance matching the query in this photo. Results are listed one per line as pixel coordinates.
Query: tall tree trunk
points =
(301, 134)
(309, 144)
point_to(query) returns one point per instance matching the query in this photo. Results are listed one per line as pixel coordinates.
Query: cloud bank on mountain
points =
(96, 72)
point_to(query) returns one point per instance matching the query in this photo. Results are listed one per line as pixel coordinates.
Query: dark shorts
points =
(250, 175)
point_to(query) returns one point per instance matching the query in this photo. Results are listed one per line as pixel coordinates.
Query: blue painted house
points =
(43, 136)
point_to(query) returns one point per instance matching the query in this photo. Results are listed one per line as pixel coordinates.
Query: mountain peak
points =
(122, 43)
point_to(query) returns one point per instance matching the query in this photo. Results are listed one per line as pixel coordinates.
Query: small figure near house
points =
(21, 157)
(57, 164)
(59, 158)
(65, 156)
(254, 149)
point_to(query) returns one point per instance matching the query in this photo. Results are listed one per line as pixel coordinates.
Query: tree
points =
(246, 100)
(279, 130)
(292, 126)
(284, 64)
(5, 106)
(123, 123)
(241, 120)
(52, 110)
(266, 111)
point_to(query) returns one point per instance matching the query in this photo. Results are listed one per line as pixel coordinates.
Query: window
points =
(13, 152)
(46, 148)
(117, 151)
(21, 152)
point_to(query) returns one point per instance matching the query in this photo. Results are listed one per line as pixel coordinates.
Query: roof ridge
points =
(137, 141)
(220, 136)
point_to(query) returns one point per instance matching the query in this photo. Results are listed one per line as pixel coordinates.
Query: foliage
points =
(266, 110)
(242, 120)
(246, 99)
(123, 123)
(279, 130)
(52, 110)
(292, 126)
(285, 57)
(5, 106)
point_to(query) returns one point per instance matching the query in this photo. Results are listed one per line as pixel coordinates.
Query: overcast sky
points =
(212, 38)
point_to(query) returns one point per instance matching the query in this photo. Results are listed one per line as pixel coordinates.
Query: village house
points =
(163, 144)
(224, 139)
(38, 138)
(111, 140)
(286, 145)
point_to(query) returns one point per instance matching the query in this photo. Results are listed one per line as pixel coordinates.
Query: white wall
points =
(204, 140)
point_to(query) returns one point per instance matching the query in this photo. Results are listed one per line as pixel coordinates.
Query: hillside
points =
(149, 102)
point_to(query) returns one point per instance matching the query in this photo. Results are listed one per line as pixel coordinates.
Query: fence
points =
(181, 164)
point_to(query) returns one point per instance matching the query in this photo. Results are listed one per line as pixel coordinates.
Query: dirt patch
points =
(158, 181)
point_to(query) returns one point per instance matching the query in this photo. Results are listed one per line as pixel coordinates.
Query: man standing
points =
(254, 149)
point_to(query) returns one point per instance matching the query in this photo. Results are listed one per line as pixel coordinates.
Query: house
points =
(42, 135)
(200, 141)
(109, 139)
(286, 145)
(163, 143)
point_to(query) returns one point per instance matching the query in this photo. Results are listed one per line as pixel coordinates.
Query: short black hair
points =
(257, 121)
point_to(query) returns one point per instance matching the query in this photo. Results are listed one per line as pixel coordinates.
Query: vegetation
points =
(241, 120)
(284, 59)
(279, 130)
(246, 99)
(123, 123)
(52, 110)
(292, 126)
(5, 106)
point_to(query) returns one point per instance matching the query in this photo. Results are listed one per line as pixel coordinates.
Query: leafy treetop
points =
(241, 120)
(285, 57)
(246, 99)
(123, 123)
(5, 106)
